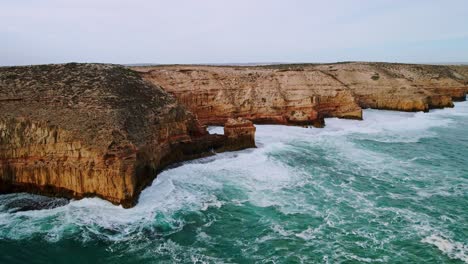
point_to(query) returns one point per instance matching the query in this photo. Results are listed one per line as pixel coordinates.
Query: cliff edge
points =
(79, 130)
(305, 94)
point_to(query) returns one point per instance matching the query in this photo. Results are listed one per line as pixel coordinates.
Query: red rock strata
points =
(304, 94)
(79, 130)
(261, 95)
(240, 133)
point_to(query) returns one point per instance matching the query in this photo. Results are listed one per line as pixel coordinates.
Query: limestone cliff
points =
(262, 95)
(403, 87)
(79, 130)
(240, 134)
(304, 94)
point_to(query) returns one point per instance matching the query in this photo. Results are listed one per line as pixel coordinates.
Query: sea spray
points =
(390, 188)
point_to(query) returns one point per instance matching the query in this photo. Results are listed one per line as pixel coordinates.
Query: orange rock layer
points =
(80, 130)
(305, 94)
(240, 133)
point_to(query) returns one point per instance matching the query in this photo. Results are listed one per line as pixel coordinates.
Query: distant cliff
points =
(78, 130)
(304, 94)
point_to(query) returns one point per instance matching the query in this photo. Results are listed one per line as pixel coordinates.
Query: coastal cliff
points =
(262, 95)
(402, 87)
(79, 130)
(304, 94)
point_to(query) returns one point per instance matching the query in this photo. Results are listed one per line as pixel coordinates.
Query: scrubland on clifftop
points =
(79, 130)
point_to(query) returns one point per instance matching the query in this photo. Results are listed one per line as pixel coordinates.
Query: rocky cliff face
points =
(262, 95)
(305, 94)
(402, 87)
(240, 134)
(80, 130)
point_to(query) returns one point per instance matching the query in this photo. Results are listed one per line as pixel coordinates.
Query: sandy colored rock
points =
(262, 95)
(79, 130)
(240, 133)
(403, 87)
(304, 94)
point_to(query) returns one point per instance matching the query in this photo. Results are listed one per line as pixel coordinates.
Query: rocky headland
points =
(80, 130)
(305, 94)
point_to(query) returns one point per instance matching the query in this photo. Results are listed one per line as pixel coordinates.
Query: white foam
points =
(216, 130)
(453, 249)
(308, 234)
(260, 179)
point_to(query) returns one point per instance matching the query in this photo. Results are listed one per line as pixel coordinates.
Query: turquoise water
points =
(392, 188)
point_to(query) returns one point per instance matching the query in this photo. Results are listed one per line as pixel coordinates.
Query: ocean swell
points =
(383, 189)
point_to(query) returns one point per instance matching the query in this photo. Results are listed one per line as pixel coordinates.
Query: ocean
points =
(392, 188)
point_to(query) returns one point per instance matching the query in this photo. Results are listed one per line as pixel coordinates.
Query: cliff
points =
(240, 134)
(262, 95)
(79, 130)
(304, 94)
(402, 87)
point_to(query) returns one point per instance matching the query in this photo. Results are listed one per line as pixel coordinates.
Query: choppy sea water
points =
(390, 189)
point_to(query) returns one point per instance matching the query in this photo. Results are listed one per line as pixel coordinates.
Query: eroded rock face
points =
(240, 134)
(43, 158)
(79, 130)
(262, 95)
(305, 94)
(403, 87)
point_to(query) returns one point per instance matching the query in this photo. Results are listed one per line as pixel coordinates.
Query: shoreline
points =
(79, 130)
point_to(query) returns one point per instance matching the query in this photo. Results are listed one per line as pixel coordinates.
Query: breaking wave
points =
(391, 188)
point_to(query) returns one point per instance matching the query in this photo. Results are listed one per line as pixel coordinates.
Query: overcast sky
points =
(232, 31)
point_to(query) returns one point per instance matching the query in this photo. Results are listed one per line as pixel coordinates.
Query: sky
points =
(232, 31)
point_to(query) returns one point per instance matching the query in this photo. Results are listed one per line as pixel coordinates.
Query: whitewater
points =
(392, 188)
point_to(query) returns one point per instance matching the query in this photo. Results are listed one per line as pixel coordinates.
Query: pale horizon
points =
(232, 32)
